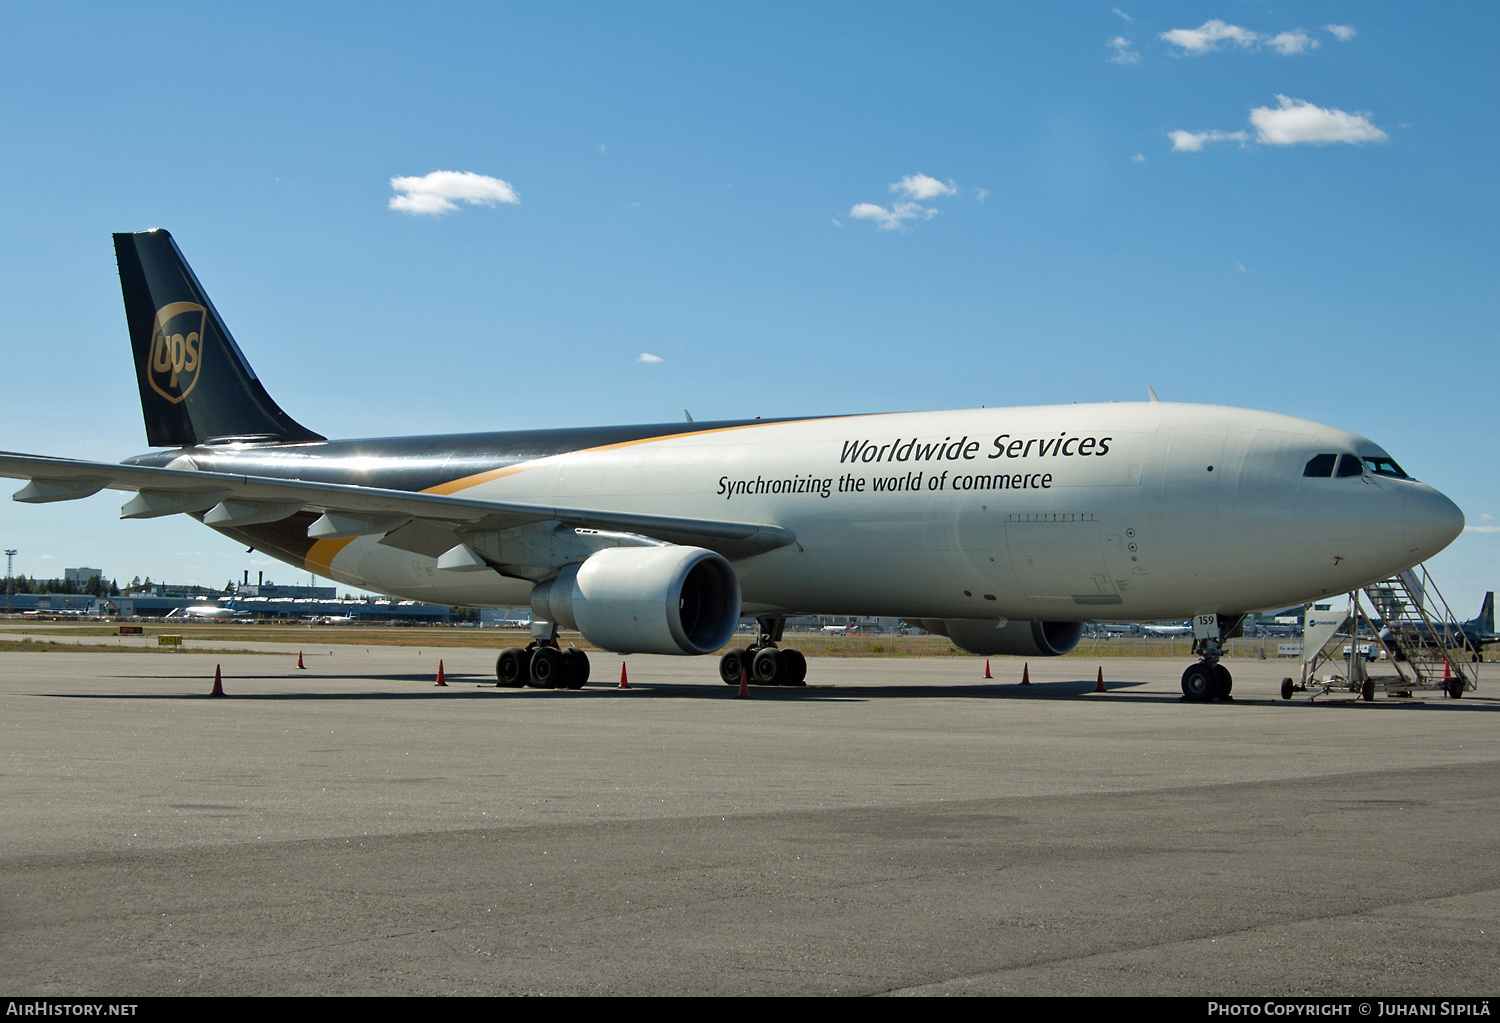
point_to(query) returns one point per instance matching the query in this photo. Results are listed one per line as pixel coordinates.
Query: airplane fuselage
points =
(1116, 512)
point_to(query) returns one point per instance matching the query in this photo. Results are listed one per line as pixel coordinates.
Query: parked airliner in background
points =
(1006, 529)
(1476, 633)
(1184, 629)
(209, 611)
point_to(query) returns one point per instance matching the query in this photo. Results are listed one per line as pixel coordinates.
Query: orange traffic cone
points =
(1026, 674)
(441, 681)
(1446, 670)
(1099, 686)
(987, 668)
(218, 682)
(744, 683)
(299, 660)
(624, 682)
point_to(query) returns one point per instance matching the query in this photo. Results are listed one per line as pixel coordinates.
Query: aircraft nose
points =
(1430, 521)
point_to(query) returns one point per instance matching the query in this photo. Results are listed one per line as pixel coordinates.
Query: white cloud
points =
(1192, 142)
(1123, 53)
(1290, 44)
(1296, 121)
(1344, 33)
(920, 186)
(980, 193)
(1207, 37)
(1482, 529)
(648, 357)
(1122, 14)
(891, 219)
(1138, 158)
(913, 186)
(441, 191)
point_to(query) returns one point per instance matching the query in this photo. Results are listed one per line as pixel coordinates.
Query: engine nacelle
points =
(1031, 639)
(645, 600)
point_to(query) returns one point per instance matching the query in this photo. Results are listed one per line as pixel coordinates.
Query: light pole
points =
(10, 586)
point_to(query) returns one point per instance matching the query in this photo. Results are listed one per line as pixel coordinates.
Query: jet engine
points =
(1032, 639)
(645, 600)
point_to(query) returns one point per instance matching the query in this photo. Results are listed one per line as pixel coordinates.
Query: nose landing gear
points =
(1208, 679)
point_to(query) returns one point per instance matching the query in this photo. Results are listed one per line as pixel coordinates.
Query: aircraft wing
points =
(230, 500)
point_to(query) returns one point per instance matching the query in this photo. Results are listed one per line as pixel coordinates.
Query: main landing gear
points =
(762, 663)
(542, 664)
(1208, 679)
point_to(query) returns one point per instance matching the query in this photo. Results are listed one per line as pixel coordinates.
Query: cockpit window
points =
(1380, 465)
(1350, 465)
(1320, 465)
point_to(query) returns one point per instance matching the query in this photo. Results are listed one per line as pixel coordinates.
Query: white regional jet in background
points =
(1185, 629)
(1006, 529)
(209, 611)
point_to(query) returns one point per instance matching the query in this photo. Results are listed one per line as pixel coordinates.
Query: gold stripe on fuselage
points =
(320, 557)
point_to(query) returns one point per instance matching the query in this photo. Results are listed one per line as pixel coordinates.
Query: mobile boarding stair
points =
(1421, 645)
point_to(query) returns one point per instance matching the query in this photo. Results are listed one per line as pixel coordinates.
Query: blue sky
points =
(1271, 205)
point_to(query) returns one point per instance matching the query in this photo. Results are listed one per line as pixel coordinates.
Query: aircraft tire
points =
(575, 664)
(764, 669)
(791, 667)
(547, 669)
(731, 665)
(511, 669)
(1199, 682)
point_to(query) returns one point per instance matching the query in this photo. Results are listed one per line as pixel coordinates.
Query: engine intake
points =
(645, 600)
(1031, 639)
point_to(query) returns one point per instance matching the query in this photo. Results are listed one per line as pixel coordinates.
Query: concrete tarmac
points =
(899, 826)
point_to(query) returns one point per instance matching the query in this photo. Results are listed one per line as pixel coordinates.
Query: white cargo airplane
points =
(1006, 529)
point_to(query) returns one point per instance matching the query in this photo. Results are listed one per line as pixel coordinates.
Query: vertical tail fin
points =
(1487, 612)
(195, 383)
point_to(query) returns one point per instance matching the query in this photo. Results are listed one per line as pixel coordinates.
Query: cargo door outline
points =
(1058, 557)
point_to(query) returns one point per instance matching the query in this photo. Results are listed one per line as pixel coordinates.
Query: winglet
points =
(1151, 393)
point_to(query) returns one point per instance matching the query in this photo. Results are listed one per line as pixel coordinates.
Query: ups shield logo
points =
(176, 355)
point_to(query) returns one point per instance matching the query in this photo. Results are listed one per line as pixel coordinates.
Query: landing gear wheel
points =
(1223, 683)
(732, 664)
(1367, 691)
(764, 670)
(512, 669)
(575, 664)
(1287, 688)
(791, 667)
(1199, 681)
(547, 669)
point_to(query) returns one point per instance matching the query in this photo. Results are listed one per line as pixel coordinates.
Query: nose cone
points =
(1429, 521)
